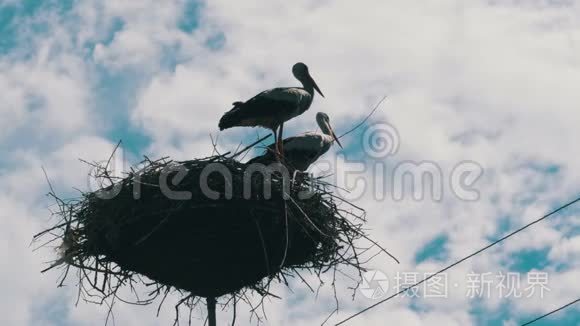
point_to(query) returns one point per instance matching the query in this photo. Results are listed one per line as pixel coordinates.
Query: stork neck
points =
(324, 127)
(325, 130)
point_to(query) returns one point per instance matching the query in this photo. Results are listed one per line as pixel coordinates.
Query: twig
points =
(113, 153)
(365, 119)
(251, 145)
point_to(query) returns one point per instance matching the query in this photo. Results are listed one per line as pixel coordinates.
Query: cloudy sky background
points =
(495, 82)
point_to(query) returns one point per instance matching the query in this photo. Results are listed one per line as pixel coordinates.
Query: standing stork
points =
(303, 150)
(271, 108)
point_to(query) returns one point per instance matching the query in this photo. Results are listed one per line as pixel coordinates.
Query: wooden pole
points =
(211, 311)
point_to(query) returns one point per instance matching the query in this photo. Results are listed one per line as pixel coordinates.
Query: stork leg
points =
(280, 141)
(276, 149)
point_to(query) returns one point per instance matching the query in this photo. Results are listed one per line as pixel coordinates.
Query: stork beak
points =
(334, 136)
(316, 87)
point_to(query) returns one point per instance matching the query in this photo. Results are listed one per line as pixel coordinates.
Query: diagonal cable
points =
(557, 210)
(552, 312)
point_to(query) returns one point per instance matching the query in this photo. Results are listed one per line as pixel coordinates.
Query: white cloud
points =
(44, 95)
(566, 250)
(494, 83)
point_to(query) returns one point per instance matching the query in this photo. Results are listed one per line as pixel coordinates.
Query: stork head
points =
(324, 123)
(300, 71)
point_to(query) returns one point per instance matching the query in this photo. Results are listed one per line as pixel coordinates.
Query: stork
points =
(271, 108)
(303, 150)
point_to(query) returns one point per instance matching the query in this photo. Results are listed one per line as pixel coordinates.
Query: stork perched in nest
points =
(271, 108)
(303, 150)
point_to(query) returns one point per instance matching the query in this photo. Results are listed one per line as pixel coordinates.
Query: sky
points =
(489, 88)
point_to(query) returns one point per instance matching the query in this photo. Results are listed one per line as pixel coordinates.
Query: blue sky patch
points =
(528, 259)
(434, 250)
(191, 16)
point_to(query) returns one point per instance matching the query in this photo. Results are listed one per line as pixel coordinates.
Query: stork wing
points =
(268, 155)
(264, 109)
(289, 142)
(299, 151)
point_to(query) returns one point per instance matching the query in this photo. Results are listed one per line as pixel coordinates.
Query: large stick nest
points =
(201, 246)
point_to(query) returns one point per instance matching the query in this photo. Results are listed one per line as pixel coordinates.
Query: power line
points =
(462, 260)
(552, 312)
